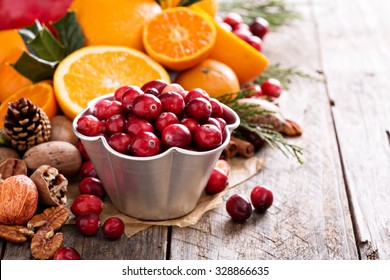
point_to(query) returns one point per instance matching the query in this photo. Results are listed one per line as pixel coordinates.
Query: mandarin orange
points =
(179, 38)
(211, 75)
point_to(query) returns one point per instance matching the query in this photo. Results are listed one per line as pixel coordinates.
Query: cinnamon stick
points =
(245, 148)
(230, 150)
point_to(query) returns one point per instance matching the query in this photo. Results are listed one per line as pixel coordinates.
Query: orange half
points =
(179, 38)
(97, 70)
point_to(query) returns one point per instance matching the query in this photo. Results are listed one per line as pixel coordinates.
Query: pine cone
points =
(26, 125)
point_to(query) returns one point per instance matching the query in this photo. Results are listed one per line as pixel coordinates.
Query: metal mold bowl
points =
(160, 187)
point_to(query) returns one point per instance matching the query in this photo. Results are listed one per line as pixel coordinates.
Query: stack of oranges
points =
(131, 42)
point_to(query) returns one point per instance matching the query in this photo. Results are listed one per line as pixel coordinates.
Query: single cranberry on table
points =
(172, 102)
(88, 169)
(165, 119)
(157, 84)
(239, 208)
(90, 125)
(147, 106)
(87, 203)
(261, 198)
(88, 224)
(82, 150)
(259, 27)
(67, 253)
(113, 228)
(145, 144)
(272, 88)
(176, 135)
(217, 182)
(92, 185)
(253, 90)
(207, 137)
(199, 109)
(223, 165)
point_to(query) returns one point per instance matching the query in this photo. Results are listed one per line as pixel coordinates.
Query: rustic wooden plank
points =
(310, 217)
(355, 49)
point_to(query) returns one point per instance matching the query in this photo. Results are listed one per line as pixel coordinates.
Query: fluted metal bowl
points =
(160, 187)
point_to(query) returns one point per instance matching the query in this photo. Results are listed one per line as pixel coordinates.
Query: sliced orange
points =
(211, 75)
(93, 71)
(41, 94)
(246, 61)
(179, 38)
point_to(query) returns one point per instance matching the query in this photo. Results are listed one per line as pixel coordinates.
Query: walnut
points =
(45, 243)
(51, 219)
(52, 186)
(15, 234)
(12, 166)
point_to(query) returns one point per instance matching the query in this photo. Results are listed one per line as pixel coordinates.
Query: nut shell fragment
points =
(45, 243)
(11, 167)
(52, 218)
(52, 186)
(15, 234)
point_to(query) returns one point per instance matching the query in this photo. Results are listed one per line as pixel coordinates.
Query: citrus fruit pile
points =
(130, 43)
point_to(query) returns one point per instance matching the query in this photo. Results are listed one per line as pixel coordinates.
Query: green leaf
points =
(47, 47)
(70, 32)
(34, 68)
(29, 33)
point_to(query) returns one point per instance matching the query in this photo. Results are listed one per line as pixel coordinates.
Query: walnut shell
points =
(11, 167)
(6, 153)
(52, 186)
(18, 200)
(58, 154)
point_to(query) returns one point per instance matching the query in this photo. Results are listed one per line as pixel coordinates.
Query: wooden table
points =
(334, 206)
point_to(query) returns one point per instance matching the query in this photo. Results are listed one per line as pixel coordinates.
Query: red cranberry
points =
(222, 124)
(115, 124)
(272, 88)
(172, 102)
(214, 122)
(99, 110)
(88, 224)
(176, 135)
(207, 137)
(174, 87)
(158, 84)
(147, 106)
(191, 124)
(135, 125)
(259, 27)
(90, 125)
(88, 169)
(66, 253)
(199, 109)
(165, 119)
(253, 90)
(261, 198)
(120, 142)
(243, 34)
(216, 108)
(145, 144)
(196, 92)
(86, 203)
(228, 116)
(120, 91)
(256, 42)
(115, 108)
(232, 18)
(152, 91)
(239, 208)
(223, 165)
(82, 150)
(252, 137)
(129, 96)
(217, 182)
(92, 185)
(113, 228)
(226, 26)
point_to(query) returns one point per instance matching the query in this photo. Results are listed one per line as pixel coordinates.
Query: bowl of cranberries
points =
(154, 147)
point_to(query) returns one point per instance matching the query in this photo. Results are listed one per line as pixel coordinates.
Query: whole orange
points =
(12, 47)
(115, 22)
(209, 6)
(211, 75)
